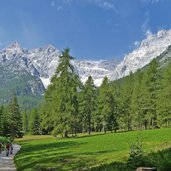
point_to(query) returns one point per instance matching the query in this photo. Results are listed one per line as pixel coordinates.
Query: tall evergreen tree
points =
(61, 97)
(6, 121)
(125, 102)
(152, 86)
(35, 123)
(15, 118)
(89, 104)
(107, 108)
(137, 103)
(25, 121)
(164, 98)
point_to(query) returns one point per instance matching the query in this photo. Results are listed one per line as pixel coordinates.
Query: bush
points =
(136, 158)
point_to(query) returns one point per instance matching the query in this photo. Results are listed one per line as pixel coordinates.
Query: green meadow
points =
(95, 152)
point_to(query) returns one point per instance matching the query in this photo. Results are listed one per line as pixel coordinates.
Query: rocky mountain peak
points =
(149, 48)
(14, 47)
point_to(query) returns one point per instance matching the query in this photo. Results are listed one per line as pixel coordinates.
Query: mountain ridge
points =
(149, 48)
(29, 71)
(42, 62)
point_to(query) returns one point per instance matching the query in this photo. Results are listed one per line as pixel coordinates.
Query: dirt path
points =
(7, 163)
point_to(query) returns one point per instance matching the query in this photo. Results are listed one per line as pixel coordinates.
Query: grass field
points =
(85, 152)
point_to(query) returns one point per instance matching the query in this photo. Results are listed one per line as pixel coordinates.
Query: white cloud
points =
(59, 8)
(67, 1)
(105, 4)
(150, 1)
(108, 5)
(53, 4)
(145, 25)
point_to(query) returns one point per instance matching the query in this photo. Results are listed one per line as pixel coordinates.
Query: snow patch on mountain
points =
(45, 81)
(97, 69)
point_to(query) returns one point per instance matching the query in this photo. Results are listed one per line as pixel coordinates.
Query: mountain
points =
(150, 48)
(19, 75)
(46, 60)
(42, 63)
(28, 72)
(97, 69)
(165, 57)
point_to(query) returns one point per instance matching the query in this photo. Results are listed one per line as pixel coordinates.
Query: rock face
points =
(18, 72)
(97, 69)
(148, 49)
(42, 62)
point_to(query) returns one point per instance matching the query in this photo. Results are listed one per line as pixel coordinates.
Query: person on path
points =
(11, 148)
(7, 149)
(0, 147)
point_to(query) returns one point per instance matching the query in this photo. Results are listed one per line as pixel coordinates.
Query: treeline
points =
(138, 101)
(14, 122)
(11, 120)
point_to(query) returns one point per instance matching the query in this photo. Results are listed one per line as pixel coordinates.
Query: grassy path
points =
(7, 163)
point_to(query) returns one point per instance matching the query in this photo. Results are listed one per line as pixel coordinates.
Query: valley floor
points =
(95, 152)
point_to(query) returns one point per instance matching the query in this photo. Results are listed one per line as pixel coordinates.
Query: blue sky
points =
(92, 29)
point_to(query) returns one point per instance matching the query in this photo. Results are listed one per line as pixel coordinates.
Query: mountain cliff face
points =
(97, 69)
(18, 74)
(148, 49)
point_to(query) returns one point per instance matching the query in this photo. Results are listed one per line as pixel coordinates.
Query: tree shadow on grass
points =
(89, 136)
(27, 147)
(55, 162)
(95, 152)
(50, 156)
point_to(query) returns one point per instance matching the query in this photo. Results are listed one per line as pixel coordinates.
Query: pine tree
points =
(89, 104)
(61, 98)
(164, 98)
(25, 122)
(35, 123)
(125, 102)
(107, 108)
(15, 118)
(6, 121)
(137, 103)
(49, 108)
(152, 86)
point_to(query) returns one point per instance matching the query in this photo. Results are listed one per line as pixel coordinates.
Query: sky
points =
(92, 29)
